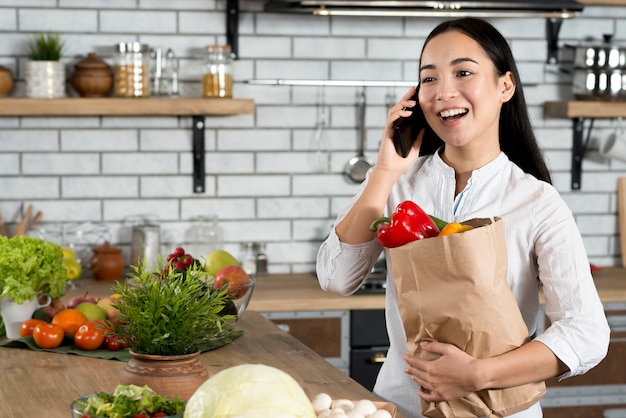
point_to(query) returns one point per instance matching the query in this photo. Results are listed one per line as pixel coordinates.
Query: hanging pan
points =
(356, 169)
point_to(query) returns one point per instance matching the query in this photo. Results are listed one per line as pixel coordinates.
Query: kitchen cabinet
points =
(325, 332)
(578, 111)
(197, 108)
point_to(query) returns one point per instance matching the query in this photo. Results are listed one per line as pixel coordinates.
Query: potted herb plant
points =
(29, 267)
(45, 73)
(167, 318)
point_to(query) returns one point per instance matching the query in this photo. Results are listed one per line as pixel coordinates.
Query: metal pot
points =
(599, 70)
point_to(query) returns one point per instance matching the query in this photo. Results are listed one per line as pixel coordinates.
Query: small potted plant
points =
(29, 267)
(167, 318)
(45, 73)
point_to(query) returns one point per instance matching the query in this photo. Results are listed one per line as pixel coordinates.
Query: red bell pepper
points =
(408, 223)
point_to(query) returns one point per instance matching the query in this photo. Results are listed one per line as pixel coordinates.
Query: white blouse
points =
(543, 242)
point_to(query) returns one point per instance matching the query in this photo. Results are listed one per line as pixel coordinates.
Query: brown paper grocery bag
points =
(453, 289)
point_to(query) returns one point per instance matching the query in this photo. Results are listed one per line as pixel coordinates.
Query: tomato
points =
(115, 343)
(26, 329)
(158, 415)
(140, 416)
(89, 336)
(69, 319)
(48, 335)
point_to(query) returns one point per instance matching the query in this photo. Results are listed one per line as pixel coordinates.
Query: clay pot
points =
(167, 375)
(107, 262)
(92, 77)
(6, 81)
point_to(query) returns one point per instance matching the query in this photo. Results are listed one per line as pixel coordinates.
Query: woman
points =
(477, 158)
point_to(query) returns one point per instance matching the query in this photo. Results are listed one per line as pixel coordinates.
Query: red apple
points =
(77, 300)
(232, 277)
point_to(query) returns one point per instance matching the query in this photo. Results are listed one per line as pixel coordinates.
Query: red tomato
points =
(140, 416)
(48, 335)
(26, 329)
(158, 415)
(89, 336)
(114, 343)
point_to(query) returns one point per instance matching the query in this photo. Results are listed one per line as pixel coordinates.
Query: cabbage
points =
(250, 391)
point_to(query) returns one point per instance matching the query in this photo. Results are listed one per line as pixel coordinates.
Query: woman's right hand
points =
(388, 159)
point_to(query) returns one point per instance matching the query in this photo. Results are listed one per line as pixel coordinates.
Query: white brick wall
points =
(259, 177)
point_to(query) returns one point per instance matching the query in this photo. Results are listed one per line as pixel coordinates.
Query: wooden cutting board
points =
(621, 205)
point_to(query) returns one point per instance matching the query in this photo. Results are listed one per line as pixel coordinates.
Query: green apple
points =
(217, 260)
(91, 311)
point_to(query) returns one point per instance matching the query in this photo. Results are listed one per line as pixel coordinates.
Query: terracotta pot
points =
(6, 81)
(92, 77)
(166, 375)
(107, 262)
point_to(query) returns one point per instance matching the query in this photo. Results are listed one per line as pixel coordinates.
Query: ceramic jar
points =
(107, 262)
(92, 77)
(6, 81)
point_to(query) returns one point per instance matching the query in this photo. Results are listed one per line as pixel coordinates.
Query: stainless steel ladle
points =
(357, 167)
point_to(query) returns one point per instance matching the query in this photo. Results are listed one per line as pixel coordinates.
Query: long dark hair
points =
(517, 139)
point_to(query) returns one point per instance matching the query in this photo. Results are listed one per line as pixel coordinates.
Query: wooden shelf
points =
(578, 111)
(197, 108)
(110, 106)
(585, 109)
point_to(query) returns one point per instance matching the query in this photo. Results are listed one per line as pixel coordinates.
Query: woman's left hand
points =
(450, 376)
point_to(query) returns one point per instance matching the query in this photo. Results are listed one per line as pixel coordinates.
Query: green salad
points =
(129, 402)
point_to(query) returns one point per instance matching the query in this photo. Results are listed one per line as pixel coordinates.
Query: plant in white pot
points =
(44, 72)
(29, 267)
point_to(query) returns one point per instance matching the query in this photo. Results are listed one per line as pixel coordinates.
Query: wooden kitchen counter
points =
(37, 384)
(301, 292)
(273, 293)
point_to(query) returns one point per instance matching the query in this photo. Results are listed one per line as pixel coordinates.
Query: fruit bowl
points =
(243, 294)
(77, 409)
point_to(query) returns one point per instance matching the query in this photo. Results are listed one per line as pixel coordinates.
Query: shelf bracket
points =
(198, 154)
(232, 27)
(579, 146)
(553, 26)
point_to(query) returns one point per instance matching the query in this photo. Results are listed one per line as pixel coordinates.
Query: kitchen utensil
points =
(22, 226)
(3, 228)
(621, 204)
(357, 167)
(614, 146)
(598, 70)
(321, 157)
(145, 243)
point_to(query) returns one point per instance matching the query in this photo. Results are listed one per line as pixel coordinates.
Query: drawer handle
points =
(378, 358)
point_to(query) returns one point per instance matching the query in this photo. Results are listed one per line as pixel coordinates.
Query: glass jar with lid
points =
(217, 80)
(132, 70)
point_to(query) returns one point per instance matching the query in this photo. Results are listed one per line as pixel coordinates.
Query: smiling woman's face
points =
(460, 92)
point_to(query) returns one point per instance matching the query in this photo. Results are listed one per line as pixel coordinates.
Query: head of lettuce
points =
(250, 391)
(29, 267)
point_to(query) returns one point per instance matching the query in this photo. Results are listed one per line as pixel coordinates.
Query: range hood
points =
(557, 9)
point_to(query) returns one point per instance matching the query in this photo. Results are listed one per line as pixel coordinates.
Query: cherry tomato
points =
(140, 416)
(48, 335)
(89, 336)
(26, 329)
(115, 343)
(158, 415)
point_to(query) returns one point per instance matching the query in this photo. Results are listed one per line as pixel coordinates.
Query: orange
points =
(69, 319)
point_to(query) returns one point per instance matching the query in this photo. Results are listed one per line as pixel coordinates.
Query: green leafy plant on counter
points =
(29, 267)
(46, 47)
(171, 312)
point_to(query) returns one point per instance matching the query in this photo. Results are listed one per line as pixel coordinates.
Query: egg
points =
(381, 413)
(365, 407)
(345, 404)
(321, 401)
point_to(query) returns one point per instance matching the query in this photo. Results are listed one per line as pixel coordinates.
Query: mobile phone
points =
(406, 129)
